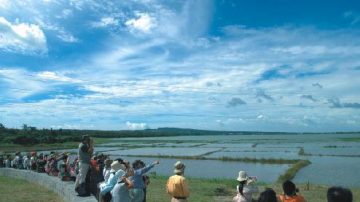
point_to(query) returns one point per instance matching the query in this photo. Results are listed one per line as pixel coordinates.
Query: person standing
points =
(84, 155)
(176, 185)
(137, 192)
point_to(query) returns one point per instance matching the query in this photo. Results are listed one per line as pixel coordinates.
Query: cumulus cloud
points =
(336, 103)
(22, 37)
(235, 102)
(136, 126)
(143, 22)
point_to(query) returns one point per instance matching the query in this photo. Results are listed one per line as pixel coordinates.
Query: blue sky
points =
(218, 65)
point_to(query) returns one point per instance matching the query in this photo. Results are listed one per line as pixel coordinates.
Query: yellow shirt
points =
(177, 187)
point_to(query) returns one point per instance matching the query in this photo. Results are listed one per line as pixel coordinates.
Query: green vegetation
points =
(17, 190)
(303, 153)
(291, 172)
(350, 139)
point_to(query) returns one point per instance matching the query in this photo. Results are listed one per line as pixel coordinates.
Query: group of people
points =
(122, 181)
(53, 164)
(119, 181)
(246, 188)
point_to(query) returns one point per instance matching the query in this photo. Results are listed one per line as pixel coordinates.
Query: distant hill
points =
(31, 135)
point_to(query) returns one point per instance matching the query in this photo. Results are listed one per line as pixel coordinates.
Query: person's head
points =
(289, 188)
(268, 195)
(242, 176)
(85, 139)
(115, 166)
(339, 194)
(108, 163)
(179, 168)
(138, 164)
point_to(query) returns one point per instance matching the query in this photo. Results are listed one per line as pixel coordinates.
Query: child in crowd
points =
(290, 194)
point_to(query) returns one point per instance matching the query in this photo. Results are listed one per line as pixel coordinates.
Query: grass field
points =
(16, 190)
(223, 190)
(201, 190)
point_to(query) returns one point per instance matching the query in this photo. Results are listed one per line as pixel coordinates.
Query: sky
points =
(246, 65)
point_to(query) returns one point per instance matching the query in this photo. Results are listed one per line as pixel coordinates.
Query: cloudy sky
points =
(272, 65)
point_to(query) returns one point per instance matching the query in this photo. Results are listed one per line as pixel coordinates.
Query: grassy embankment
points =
(17, 190)
(223, 190)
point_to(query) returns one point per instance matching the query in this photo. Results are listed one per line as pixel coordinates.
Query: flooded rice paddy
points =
(335, 158)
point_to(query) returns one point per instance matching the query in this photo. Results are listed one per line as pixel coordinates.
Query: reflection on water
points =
(331, 171)
(325, 168)
(216, 169)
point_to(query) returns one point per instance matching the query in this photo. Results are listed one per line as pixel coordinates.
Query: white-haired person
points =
(121, 191)
(245, 188)
(176, 185)
(117, 172)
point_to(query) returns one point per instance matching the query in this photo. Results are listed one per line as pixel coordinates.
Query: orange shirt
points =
(296, 198)
(176, 186)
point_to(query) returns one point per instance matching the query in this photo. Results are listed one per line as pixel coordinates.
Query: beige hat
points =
(242, 176)
(115, 166)
(179, 167)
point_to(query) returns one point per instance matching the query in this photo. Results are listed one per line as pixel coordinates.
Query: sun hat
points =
(179, 167)
(242, 176)
(115, 166)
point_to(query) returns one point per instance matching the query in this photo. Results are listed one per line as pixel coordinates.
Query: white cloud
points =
(143, 22)
(47, 75)
(20, 83)
(4, 4)
(136, 126)
(106, 21)
(22, 37)
(67, 37)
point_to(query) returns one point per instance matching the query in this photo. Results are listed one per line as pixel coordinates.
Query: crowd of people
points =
(246, 188)
(117, 180)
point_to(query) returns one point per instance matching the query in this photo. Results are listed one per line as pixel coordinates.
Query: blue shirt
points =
(137, 178)
(111, 182)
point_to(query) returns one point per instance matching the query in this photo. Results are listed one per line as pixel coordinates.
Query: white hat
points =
(115, 166)
(242, 176)
(179, 167)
